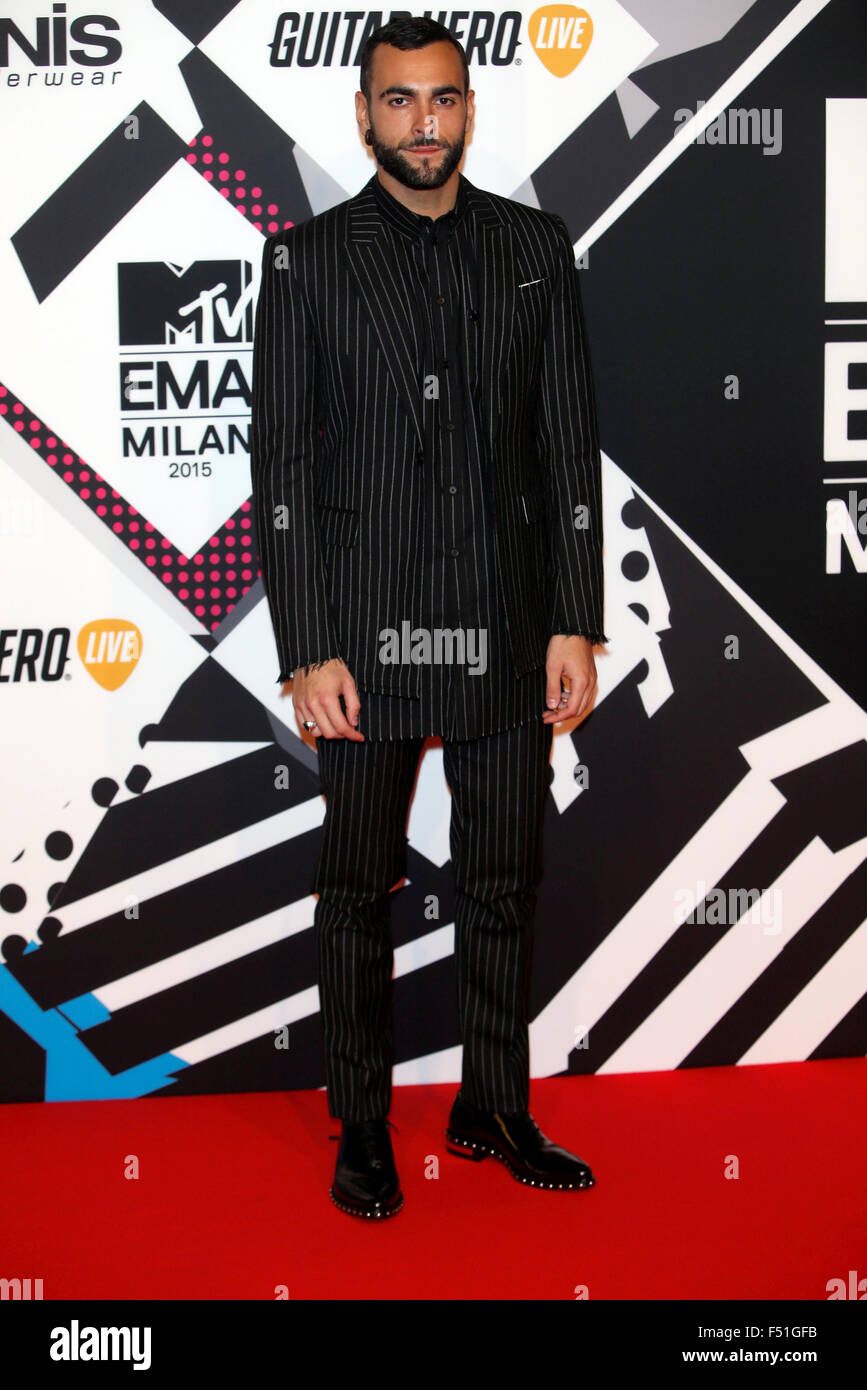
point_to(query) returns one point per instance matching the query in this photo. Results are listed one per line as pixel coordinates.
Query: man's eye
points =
(449, 100)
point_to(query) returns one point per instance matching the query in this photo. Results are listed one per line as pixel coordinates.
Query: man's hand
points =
(569, 658)
(316, 697)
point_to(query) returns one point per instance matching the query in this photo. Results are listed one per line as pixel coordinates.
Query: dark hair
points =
(407, 34)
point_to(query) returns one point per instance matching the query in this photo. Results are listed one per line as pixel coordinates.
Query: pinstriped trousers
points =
(499, 787)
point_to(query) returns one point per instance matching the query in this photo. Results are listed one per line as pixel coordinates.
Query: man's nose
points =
(426, 125)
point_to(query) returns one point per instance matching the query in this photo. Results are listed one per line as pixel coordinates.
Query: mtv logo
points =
(208, 303)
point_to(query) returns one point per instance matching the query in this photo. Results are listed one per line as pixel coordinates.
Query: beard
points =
(417, 173)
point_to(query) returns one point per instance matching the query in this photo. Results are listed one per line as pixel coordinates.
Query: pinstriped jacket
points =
(336, 437)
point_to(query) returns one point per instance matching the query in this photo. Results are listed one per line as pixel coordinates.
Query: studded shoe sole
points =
(462, 1147)
(376, 1213)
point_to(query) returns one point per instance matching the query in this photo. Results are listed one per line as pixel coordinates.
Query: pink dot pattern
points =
(208, 583)
(235, 185)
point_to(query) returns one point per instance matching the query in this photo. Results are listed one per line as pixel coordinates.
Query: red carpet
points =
(232, 1201)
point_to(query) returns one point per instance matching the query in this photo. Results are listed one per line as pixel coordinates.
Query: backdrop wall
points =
(706, 836)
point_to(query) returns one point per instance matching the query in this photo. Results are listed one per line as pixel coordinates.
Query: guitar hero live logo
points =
(559, 35)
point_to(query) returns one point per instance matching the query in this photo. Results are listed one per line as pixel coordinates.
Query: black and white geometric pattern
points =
(160, 840)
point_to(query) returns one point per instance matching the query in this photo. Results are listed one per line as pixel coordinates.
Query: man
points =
(426, 471)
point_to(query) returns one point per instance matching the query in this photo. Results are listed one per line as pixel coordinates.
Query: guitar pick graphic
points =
(109, 649)
(561, 36)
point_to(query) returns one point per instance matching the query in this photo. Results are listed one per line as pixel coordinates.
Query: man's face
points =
(418, 117)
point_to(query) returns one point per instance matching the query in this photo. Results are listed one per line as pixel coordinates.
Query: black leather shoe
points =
(365, 1177)
(517, 1141)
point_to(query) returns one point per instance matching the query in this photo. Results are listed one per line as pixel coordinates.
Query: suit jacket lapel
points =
(370, 263)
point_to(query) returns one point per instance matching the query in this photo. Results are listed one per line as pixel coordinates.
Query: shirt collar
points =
(411, 223)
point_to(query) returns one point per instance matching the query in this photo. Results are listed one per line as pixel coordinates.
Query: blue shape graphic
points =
(71, 1071)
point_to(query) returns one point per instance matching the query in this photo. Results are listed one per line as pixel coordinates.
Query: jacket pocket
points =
(339, 525)
(534, 506)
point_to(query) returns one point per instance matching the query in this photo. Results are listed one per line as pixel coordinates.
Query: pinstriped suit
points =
(339, 517)
(435, 269)
(338, 440)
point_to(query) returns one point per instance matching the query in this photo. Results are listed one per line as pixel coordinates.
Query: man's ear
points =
(471, 112)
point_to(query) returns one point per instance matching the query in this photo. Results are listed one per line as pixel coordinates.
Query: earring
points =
(368, 138)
